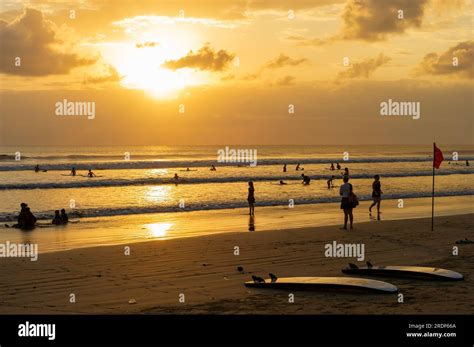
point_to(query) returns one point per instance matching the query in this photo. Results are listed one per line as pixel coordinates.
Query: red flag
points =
(438, 157)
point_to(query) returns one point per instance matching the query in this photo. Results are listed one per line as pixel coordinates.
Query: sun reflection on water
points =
(158, 230)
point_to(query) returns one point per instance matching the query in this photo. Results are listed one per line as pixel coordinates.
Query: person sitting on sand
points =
(284, 168)
(281, 183)
(37, 168)
(338, 166)
(376, 194)
(57, 218)
(213, 168)
(251, 199)
(64, 217)
(345, 191)
(330, 182)
(306, 179)
(90, 174)
(21, 216)
(73, 171)
(332, 167)
(30, 219)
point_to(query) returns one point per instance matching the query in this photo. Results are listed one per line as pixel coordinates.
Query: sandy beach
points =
(204, 269)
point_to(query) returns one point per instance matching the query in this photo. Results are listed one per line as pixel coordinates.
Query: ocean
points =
(136, 180)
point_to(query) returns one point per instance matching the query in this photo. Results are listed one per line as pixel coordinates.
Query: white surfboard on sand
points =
(406, 271)
(316, 283)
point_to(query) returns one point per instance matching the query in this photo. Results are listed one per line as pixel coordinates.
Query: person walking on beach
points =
(467, 162)
(347, 203)
(330, 182)
(376, 194)
(251, 199)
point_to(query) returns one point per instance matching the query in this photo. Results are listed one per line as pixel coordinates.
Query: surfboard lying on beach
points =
(318, 283)
(406, 271)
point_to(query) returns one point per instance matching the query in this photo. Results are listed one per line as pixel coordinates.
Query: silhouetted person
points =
(57, 218)
(73, 171)
(467, 162)
(282, 183)
(90, 174)
(176, 177)
(332, 167)
(298, 167)
(338, 166)
(346, 171)
(330, 183)
(22, 216)
(306, 179)
(345, 192)
(376, 194)
(64, 217)
(37, 168)
(213, 168)
(30, 219)
(251, 199)
(284, 168)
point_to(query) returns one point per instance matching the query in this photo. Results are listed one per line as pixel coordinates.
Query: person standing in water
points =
(467, 162)
(90, 174)
(338, 166)
(284, 168)
(332, 167)
(376, 194)
(345, 192)
(37, 168)
(330, 182)
(251, 199)
(73, 171)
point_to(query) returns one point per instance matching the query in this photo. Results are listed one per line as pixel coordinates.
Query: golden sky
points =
(234, 67)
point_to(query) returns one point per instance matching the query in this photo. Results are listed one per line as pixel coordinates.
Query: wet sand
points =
(204, 269)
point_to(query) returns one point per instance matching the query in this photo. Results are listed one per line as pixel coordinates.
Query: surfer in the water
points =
(251, 199)
(284, 168)
(213, 168)
(346, 172)
(90, 174)
(282, 183)
(26, 219)
(376, 194)
(332, 167)
(37, 168)
(73, 171)
(306, 179)
(338, 166)
(176, 177)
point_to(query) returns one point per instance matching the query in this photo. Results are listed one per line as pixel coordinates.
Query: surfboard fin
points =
(353, 266)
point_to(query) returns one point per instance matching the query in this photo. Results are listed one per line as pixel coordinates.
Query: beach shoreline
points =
(204, 269)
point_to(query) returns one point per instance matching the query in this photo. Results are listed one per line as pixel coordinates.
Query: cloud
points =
(365, 68)
(373, 20)
(35, 41)
(204, 59)
(285, 81)
(442, 64)
(284, 60)
(146, 44)
(111, 75)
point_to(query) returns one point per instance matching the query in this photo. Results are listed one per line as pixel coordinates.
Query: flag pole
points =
(432, 191)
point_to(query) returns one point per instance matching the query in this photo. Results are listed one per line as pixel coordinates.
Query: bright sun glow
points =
(141, 69)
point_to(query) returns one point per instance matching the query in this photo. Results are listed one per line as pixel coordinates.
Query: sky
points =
(246, 72)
